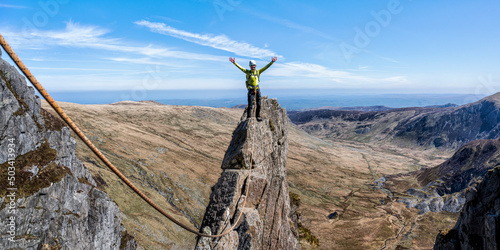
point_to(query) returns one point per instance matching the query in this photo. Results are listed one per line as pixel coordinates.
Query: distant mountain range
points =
(447, 127)
(288, 98)
(368, 108)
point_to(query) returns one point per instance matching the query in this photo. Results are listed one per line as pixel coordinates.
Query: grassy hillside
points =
(173, 154)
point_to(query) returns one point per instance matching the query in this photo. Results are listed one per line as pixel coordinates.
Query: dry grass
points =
(173, 154)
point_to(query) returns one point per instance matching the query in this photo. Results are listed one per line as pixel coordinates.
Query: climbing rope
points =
(98, 153)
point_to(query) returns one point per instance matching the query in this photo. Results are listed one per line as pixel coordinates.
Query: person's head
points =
(252, 64)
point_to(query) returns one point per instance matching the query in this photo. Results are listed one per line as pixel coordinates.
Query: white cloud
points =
(145, 61)
(309, 70)
(93, 37)
(87, 37)
(292, 25)
(395, 79)
(221, 42)
(78, 69)
(76, 34)
(12, 6)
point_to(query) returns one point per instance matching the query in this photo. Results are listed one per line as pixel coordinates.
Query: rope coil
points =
(98, 153)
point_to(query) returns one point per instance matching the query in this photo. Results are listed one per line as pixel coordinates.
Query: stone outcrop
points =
(255, 160)
(52, 201)
(428, 200)
(479, 221)
(445, 184)
(468, 165)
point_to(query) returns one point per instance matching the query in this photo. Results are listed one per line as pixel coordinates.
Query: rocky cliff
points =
(468, 165)
(255, 160)
(444, 185)
(478, 226)
(455, 126)
(447, 127)
(48, 198)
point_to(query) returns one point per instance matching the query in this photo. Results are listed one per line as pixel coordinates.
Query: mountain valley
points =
(174, 153)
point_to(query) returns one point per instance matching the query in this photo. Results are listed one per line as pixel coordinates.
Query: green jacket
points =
(253, 77)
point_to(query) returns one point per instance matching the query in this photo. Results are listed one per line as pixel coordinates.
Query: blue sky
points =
(390, 46)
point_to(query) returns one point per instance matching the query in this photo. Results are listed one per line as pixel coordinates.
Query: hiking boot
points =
(259, 118)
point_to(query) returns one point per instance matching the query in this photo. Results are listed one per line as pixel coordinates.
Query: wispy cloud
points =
(88, 37)
(12, 6)
(78, 69)
(94, 37)
(168, 19)
(309, 70)
(292, 25)
(76, 35)
(308, 30)
(145, 61)
(221, 42)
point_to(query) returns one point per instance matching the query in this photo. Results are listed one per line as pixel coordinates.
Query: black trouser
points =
(252, 93)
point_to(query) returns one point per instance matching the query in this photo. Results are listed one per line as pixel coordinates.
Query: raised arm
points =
(237, 65)
(268, 65)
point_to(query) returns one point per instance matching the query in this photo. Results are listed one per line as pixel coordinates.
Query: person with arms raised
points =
(252, 84)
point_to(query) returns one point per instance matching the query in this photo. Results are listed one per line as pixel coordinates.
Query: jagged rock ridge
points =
(55, 203)
(265, 222)
(468, 165)
(444, 185)
(447, 128)
(478, 225)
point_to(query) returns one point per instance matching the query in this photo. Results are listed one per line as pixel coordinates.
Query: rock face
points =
(478, 226)
(255, 160)
(456, 126)
(447, 127)
(48, 198)
(468, 165)
(428, 200)
(445, 184)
